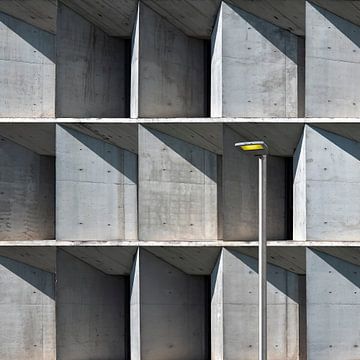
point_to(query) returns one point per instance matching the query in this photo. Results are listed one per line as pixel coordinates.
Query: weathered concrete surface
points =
(170, 310)
(234, 307)
(333, 307)
(240, 193)
(27, 70)
(326, 187)
(96, 191)
(168, 75)
(27, 312)
(255, 67)
(177, 189)
(26, 193)
(91, 312)
(91, 69)
(332, 64)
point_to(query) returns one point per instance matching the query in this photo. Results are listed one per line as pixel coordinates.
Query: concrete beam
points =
(332, 64)
(91, 315)
(27, 71)
(256, 67)
(326, 175)
(332, 307)
(26, 193)
(27, 312)
(96, 192)
(91, 69)
(177, 189)
(168, 72)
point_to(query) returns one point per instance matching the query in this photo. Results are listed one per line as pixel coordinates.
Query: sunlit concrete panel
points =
(332, 64)
(27, 312)
(169, 317)
(234, 310)
(240, 193)
(91, 311)
(326, 187)
(177, 189)
(26, 193)
(27, 70)
(167, 69)
(91, 76)
(333, 307)
(96, 189)
(256, 67)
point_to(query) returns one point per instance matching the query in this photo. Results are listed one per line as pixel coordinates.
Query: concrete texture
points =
(177, 189)
(91, 312)
(27, 312)
(91, 69)
(326, 187)
(332, 64)
(27, 70)
(170, 310)
(96, 189)
(255, 67)
(168, 74)
(332, 307)
(240, 193)
(26, 193)
(234, 307)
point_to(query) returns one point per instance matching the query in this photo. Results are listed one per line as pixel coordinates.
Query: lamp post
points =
(260, 150)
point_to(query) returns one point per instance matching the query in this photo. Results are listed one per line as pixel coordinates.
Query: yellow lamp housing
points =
(256, 148)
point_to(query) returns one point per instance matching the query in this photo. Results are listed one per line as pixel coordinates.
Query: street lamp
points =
(260, 150)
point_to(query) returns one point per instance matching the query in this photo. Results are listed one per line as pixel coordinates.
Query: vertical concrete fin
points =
(217, 310)
(134, 81)
(135, 309)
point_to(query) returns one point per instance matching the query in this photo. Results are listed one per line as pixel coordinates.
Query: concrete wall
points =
(326, 187)
(91, 69)
(255, 67)
(234, 307)
(27, 70)
(168, 312)
(168, 74)
(26, 193)
(333, 307)
(177, 189)
(90, 311)
(240, 193)
(332, 65)
(27, 312)
(96, 191)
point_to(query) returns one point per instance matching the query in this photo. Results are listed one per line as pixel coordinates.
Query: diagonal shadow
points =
(40, 279)
(39, 39)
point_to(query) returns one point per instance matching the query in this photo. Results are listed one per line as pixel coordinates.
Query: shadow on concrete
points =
(39, 279)
(45, 43)
(185, 150)
(101, 148)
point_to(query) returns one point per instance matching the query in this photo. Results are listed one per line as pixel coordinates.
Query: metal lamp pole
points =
(260, 150)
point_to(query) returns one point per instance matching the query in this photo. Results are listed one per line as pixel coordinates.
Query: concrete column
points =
(333, 307)
(91, 311)
(240, 193)
(332, 64)
(96, 191)
(27, 312)
(168, 312)
(168, 74)
(177, 189)
(26, 193)
(256, 67)
(234, 307)
(326, 187)
(91, 76)
(27, 70)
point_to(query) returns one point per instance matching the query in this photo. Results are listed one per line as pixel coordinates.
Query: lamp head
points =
(255, 148)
